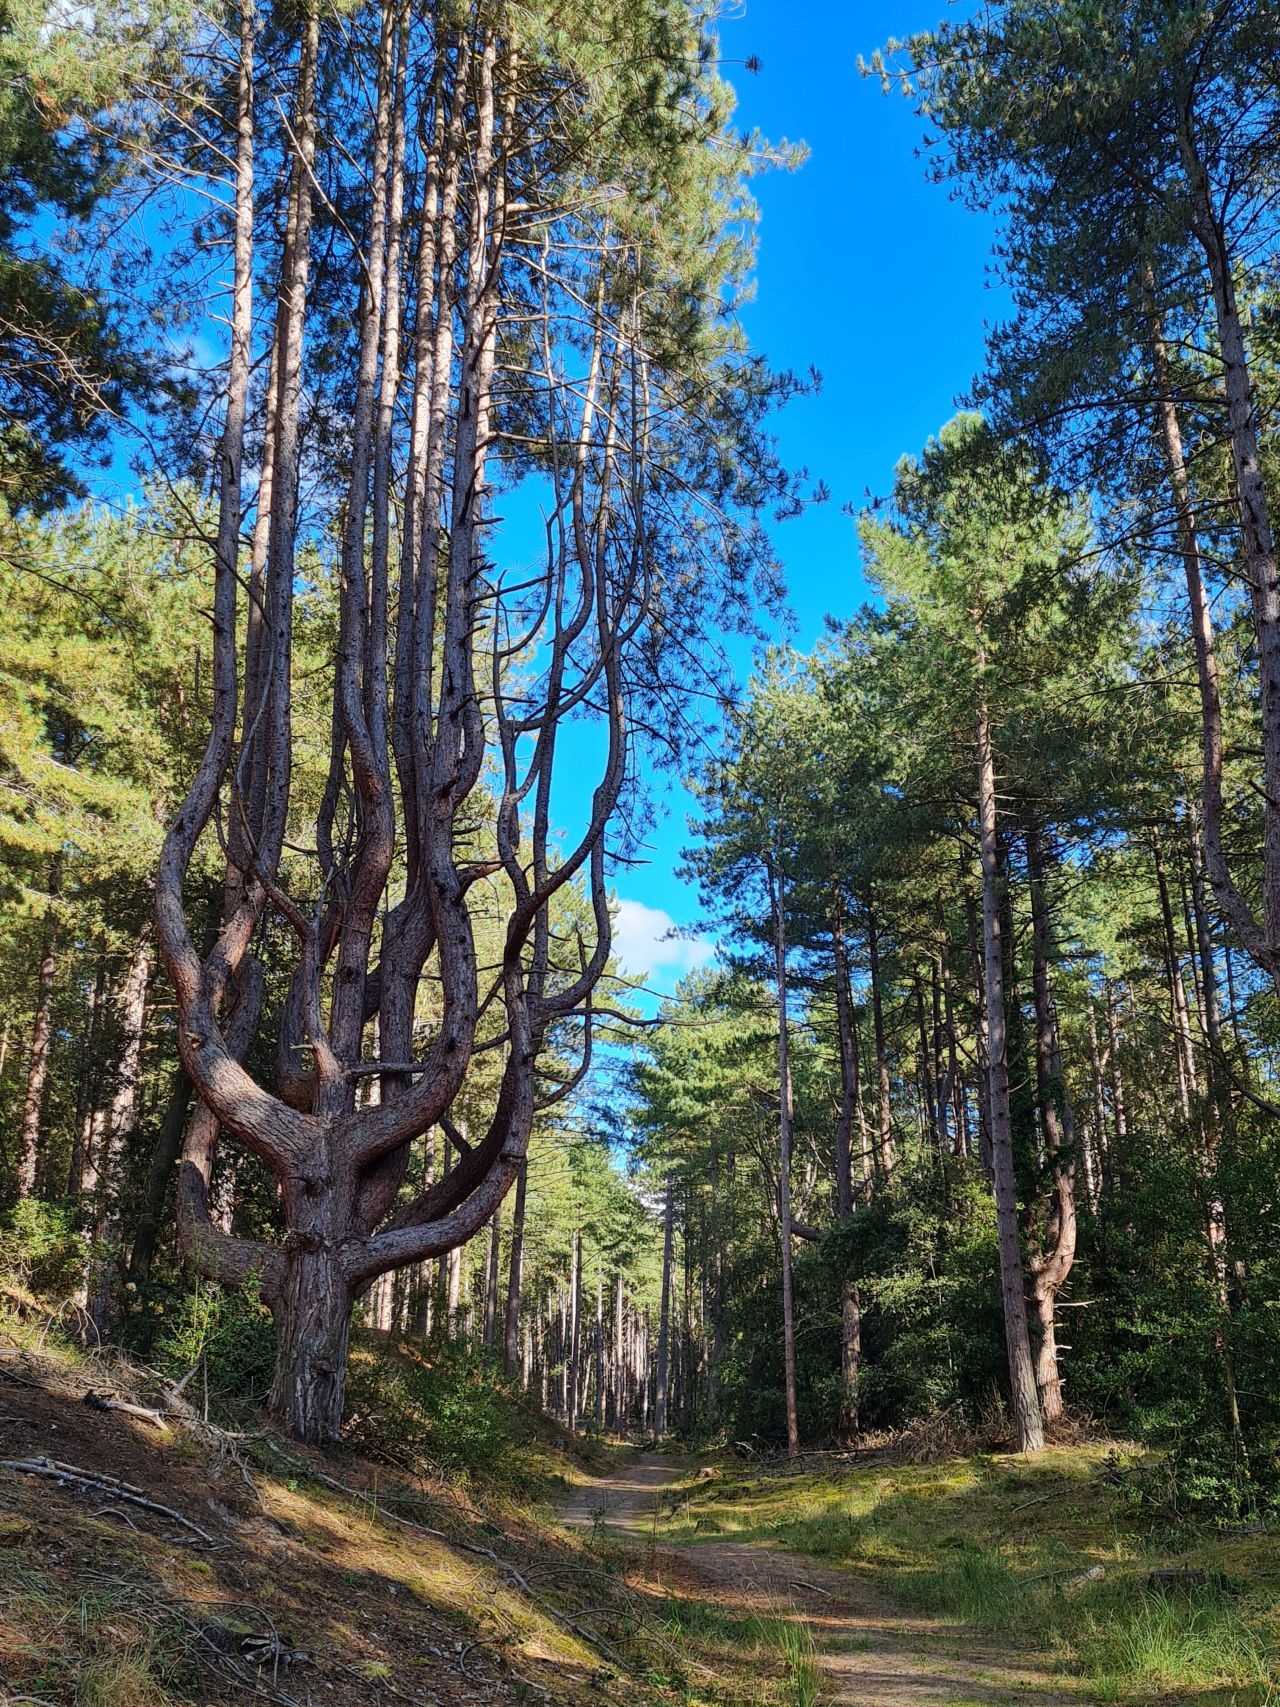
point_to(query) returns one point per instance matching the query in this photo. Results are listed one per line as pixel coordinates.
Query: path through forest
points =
(871, 1654)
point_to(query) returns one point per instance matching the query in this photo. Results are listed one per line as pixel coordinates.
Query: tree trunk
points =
(1181, 1021)
(1052, 1268)
(1257, 548)
(850, 1101)
(88, 1090)
(313, 1332)
(617, 1397)
(491, 1279)
(1028, 1424)
(41, 1034)
(664, 1322)
(600, 1377)
(163, 1161)
(1118, 1114)
(882, 1057)
(980, 1039)
(785, 1118)
(575, 1330)
(511, 1326)
(121, 1118)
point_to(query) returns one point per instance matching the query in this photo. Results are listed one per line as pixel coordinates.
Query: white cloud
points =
(643, 943)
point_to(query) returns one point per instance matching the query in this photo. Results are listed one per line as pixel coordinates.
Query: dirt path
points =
(871, 1654)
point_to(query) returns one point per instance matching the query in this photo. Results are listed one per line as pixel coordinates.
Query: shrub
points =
(42, 1244)
(231, 1333)
(446, 1407)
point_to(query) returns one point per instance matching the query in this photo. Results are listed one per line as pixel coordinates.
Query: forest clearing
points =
(640, 852)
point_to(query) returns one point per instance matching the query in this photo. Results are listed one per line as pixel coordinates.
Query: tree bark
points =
(600, 1376)
(574, 1331)
(1257, 546)
(511, 1326)
(88, 1089)
(882, 1056)
(785, 1119)
(41, 1036)
(1027, 1421)
(1188, 1088)
(664, 1321)
(850, 1101)
(313, 1330)
(1051, 1269)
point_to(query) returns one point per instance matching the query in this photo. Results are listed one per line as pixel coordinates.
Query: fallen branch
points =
(108, 1402)
(68, 1475)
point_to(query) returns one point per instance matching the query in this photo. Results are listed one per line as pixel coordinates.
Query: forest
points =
(394, 507)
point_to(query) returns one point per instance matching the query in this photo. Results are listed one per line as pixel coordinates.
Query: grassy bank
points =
(422, 1562)
(1063, 1553)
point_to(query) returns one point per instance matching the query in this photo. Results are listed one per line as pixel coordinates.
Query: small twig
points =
(799, 1582)
(114, 1511)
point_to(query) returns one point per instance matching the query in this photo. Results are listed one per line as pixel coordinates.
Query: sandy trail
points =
(871, 1654)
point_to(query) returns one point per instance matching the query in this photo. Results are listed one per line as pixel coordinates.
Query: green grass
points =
(780, 1651)
(999, 1546)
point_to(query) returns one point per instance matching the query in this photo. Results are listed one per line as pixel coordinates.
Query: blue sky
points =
(867, 272)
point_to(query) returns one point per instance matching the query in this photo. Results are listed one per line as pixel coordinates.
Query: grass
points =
(771, 1657)
(381, 1570)
(1001, 1546)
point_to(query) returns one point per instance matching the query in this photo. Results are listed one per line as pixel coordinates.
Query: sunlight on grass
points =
(1002, 1545)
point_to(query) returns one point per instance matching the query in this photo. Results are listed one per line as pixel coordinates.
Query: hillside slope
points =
(150, 1558)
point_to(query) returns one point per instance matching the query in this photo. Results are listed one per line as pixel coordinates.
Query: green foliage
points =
(70, 362)
(449, 1409)
(228, 1337)
(44, 1245)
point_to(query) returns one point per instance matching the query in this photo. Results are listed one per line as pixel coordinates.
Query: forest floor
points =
(985, 1579)
(150, 1559)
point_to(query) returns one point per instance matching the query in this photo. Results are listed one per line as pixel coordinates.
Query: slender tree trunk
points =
(1230, 900)
(511, 1326)
(89, 1090)
(882, 1056)
(1094, 1148)
(850, 1100)
(925, 1075)
(982, 1047)
(600, 1375)
(41, 1036)
(664, 1321)
(164, 1159)
(1257, 548)
(1119, 1116)
(1181, 1021)
(121, 1117)
(575, 1329)
(1052, 1268)
(785, 1118)
(617, 1398)
(1027, 1420)
(491, 1279)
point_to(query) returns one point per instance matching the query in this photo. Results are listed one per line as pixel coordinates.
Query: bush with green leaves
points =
(228, 1337)
(43, 1245)
(447, 1408)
